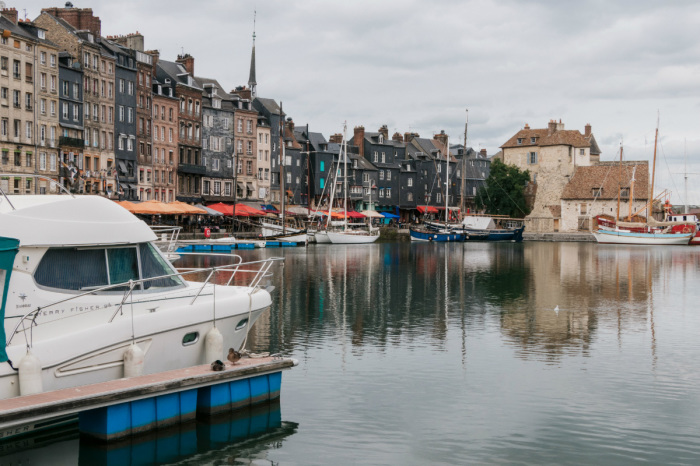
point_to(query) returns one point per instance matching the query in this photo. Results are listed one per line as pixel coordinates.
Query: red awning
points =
(353, 214)
(427, 209)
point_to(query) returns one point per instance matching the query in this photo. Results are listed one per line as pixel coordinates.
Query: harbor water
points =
(474, 353)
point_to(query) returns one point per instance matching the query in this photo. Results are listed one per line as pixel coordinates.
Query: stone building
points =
(552, 155)
(77, 31)
(217, 141)
(273, 114)
(190, 169)
(594, 190)
(29, 102)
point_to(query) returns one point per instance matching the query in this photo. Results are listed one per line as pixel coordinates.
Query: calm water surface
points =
(534, 353)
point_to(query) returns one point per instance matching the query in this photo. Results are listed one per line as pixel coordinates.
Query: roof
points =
(270, 105)
(175, 72)
(543, 137)
(606, 175)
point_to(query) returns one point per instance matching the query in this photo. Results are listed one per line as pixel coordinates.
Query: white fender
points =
(213, 345)
(133, 361)
(30, 375)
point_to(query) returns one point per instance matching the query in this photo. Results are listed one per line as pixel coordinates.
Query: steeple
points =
(251, 79)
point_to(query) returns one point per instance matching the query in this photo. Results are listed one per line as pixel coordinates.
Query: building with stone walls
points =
(77, 32)
(28, 104)
(217, 141)
(551, 155)
(594, 190)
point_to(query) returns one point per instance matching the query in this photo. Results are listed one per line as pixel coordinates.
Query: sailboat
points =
(350, 236)
(440, 235)
(651, 232)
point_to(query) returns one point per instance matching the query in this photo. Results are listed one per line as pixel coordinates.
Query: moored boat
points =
(83, 282)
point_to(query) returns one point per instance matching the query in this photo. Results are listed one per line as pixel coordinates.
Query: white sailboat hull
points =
(347, 237)
(628, 237)
(321, 237)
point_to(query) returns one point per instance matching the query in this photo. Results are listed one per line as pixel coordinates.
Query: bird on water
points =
(233, 356)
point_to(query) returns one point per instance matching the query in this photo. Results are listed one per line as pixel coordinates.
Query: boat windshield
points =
(81, 269)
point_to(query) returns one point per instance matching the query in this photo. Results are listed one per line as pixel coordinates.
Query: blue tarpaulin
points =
(388, 215)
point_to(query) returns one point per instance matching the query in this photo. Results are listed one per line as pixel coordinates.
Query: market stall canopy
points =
(130, 206)
(188, 209)
(212, 212)
(223, 208)
(269, 208)
(154, 208)
(353, 214)
(372, 214)
(427, 209)
(297, 210)
(242, 210)
(390, 215)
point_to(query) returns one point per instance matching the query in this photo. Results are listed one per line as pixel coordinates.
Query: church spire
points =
(251, 79)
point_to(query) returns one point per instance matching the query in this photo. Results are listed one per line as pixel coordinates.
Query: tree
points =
(504, 193)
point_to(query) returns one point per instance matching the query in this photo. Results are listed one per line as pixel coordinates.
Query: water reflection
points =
(547, 299)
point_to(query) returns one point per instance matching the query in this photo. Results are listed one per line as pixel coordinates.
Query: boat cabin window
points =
(82, 269)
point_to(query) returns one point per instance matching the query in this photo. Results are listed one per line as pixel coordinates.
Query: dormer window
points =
(533, 140)
(597, 192)
(625, 193)
(381, 139)
(520, 140)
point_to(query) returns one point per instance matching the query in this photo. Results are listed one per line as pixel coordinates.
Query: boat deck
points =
(20, 410)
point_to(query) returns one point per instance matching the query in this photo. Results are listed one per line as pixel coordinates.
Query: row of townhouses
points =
(102, 115)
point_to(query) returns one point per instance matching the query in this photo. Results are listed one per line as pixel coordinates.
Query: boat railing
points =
(167, 236)
(259, 269)
(51, 181)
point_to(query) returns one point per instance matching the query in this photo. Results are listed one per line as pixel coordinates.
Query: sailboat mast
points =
(447, 180)
(619, 185)
(283, 193)
(464, 167)
(653, 172)
(345, 182)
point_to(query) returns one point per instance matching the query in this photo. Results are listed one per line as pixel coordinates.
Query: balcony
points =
(192, 169)
(71, 142)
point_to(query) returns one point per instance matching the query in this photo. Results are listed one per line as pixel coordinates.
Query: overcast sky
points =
(417, 66)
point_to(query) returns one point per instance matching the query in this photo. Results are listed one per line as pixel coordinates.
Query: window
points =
(376, 157)
(410, 182)
(249, 126)
(582, 151)
(625, 193)
(532, 158)
(520, 140)
(52, 60)
(381, 175)
(597, 192)
(388, 175)
(532, 140)
(583, 208)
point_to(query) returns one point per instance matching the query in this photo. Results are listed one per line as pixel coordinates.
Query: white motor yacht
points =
(81, 281)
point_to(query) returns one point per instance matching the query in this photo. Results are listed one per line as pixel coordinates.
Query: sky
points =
(418, 66)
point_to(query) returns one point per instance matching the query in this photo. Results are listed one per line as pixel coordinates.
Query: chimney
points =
(527, 126)
(552, 127)
(81, 19)
(290, 125)
(10, 13)
(359, 139)
(187, 61)
(336, 138)
(384, 131)
(560, 125)
(244, 92)
(588, 130)
(482, 153)
(408, 137)
(441, 138)
(397, 137)
(156, 56)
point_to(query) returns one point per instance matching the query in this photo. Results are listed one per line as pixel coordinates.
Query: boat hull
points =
(436, 236)
(339, 237)
(627, 237)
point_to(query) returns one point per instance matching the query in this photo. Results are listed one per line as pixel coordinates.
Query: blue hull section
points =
(438, 237)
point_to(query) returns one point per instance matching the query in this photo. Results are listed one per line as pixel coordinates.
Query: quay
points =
(119, 408)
